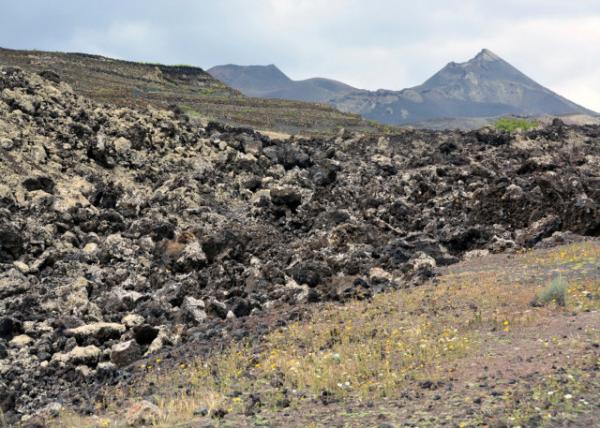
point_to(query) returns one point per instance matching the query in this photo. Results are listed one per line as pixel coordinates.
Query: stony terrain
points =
(134, 84)
(127, 232)
(465, 349)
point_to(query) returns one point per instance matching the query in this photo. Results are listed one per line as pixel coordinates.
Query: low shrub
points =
(555, 292)
(511, 124)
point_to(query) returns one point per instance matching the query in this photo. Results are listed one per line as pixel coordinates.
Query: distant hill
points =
(483, 87)
(267, 81)
(191, 88)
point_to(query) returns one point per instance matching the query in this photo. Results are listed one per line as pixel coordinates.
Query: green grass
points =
(512, 124)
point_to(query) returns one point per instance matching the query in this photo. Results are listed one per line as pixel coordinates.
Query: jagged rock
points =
(106, 369)
(39, 183)
(11, 244)
(194, 309)
(288, 197)
(475, 254)
(559, 238)
(7, 398)
(125, 353)
(514, 193)
(310, 273)
(20, 341)
(164, 338)
(145, 334)
(128, 297)
(101, 331)
(540, 229)
(132, 320)
(498, 245)
(192, 257)
(10, 327)
(88, 355)
(216, 308)
(422, 265)
(22, 267)
(140, 215)
(90, 248)
(240, 307)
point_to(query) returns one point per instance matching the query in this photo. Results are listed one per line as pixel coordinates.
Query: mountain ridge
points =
(191, 89)
(253, 81)
(485, 86)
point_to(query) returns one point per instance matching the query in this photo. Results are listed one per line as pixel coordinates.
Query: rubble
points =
(122, 230)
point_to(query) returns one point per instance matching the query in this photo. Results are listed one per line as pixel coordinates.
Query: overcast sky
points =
(370, 44)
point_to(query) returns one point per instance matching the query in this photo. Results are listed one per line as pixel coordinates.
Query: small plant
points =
(511, 124)
(555, 292)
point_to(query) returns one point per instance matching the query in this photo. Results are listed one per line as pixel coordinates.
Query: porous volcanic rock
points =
(126, 232)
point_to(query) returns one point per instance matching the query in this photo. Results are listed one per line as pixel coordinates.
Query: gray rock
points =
(194, 309)
(88, 355)
(101, 331)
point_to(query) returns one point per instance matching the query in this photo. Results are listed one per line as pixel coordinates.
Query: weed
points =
(555, 292)
(511, 124)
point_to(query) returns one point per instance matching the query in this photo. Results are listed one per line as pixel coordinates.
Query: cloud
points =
(371, 44)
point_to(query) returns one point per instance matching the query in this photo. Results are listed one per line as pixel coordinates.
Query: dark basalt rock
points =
(11, 242)
(180, 232)
(39, 183)
(290, 198)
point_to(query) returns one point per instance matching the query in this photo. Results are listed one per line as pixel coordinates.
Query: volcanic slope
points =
(464, 95)
(130, 233)
(189, 88)
(270, 82)
(485, 86)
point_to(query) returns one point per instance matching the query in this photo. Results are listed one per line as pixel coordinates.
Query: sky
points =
(369, 44)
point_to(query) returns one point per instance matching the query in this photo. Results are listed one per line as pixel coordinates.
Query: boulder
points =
(102, 331)
(194, 309)
(142, 413)
(540, 229)
(124, 353)
(87, 355)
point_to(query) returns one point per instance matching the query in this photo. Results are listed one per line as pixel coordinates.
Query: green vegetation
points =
(555, 292)
(511, 124)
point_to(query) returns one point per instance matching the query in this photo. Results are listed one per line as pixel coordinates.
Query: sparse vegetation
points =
(378, 350)
(243, 276)
(555, 292)
(135, 84)
(512, 124)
